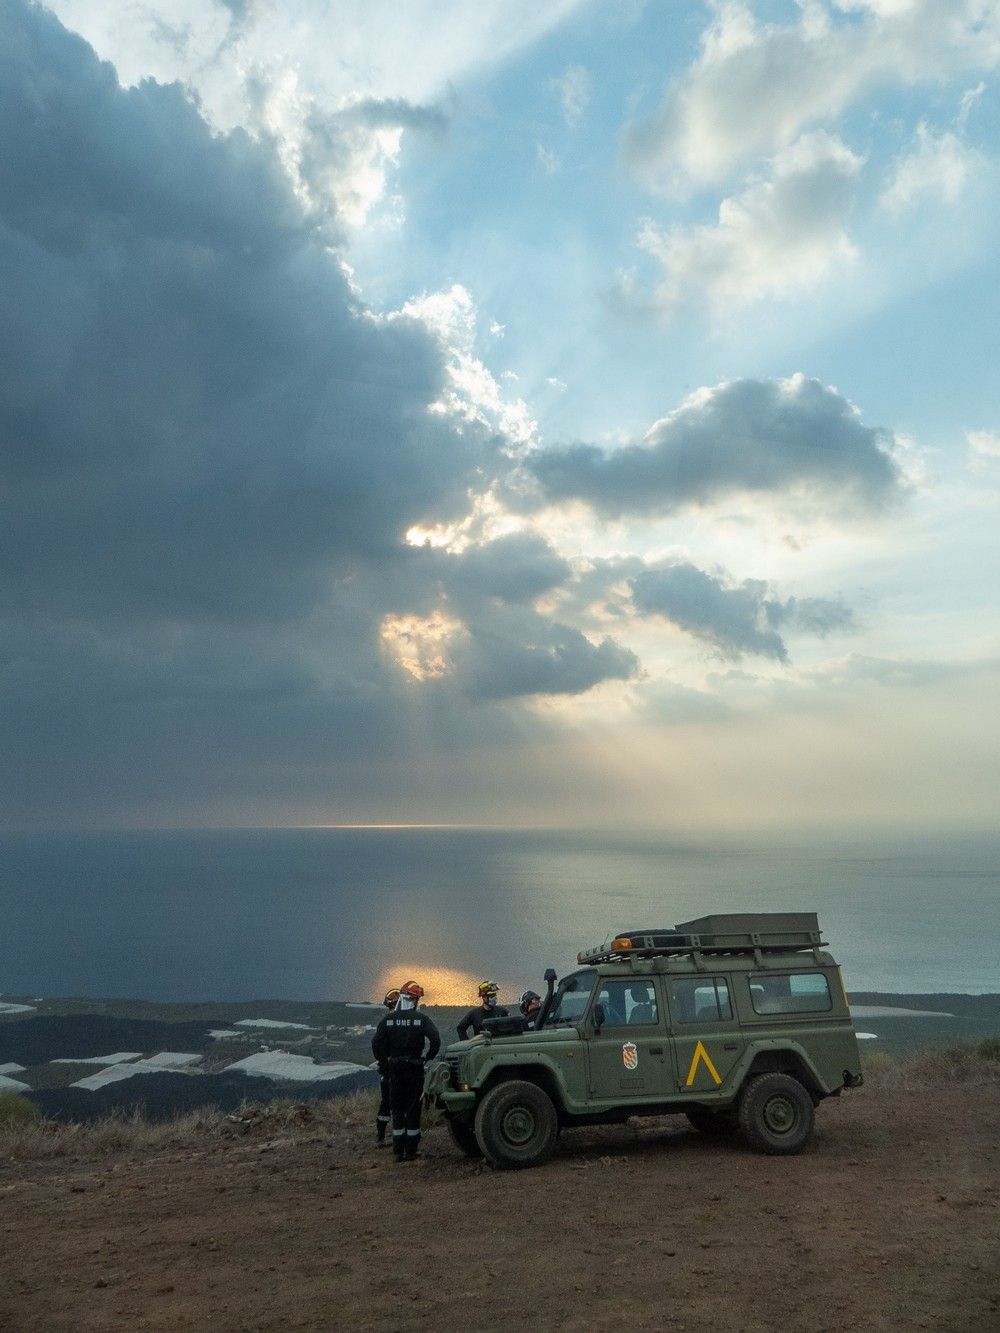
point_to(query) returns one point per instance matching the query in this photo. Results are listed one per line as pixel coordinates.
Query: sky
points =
(423, 412)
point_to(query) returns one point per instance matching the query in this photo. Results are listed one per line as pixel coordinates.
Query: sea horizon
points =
(315, 913)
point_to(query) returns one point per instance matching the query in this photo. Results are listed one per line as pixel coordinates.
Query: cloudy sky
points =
(507, 413)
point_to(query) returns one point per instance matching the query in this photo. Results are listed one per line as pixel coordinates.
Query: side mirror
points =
(597, 1016)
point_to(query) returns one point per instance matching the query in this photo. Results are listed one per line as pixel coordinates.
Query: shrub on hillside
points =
(958, 1062)
(879, 1067)
(934, 1066)
(16, 1110)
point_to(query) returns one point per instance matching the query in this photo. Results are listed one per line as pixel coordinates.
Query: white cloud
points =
(296, 70)
(547, 160)
(969, 99)
(779, 237)
(573, 88)
(472, 392)
(985, 447)
(939, 166)
(754, 86)
(356, 48)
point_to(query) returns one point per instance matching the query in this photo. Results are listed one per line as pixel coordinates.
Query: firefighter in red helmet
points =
(405, 1040)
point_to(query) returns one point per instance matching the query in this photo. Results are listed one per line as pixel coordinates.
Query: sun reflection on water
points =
(444, 985)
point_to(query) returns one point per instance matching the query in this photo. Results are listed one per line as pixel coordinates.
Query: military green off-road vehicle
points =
(737, 1021)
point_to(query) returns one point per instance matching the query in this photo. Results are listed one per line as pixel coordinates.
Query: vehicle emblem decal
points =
(630, 1055)
(700, 1054)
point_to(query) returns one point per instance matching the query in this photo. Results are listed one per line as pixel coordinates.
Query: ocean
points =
(342, 913)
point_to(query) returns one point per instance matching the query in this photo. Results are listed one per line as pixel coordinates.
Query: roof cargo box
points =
(736, 930)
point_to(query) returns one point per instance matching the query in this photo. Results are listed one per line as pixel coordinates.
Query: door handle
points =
(656, 1050)
(730, 1046)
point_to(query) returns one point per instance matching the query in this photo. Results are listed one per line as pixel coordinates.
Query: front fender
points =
(536, 1067)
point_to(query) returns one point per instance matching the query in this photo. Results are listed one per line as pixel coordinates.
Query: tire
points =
(463, 1134)
(516, 1125)
(776, 1114)
(713, 1123)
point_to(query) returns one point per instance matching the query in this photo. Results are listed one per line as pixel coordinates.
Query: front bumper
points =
(441, 1088)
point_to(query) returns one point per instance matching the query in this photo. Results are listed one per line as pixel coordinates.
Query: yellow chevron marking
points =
(701, 1054)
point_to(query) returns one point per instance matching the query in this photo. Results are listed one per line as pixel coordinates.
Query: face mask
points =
(406, 1002)
(489, 1001)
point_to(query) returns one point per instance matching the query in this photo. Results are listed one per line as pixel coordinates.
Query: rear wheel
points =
(516, 1125)
(463, 1133)
(776, 1114)
(712, 1122)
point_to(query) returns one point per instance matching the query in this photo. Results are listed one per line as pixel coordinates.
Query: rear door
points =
(629, 1058)
(705, 1033)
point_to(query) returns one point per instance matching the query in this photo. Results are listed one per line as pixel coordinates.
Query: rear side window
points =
(793, 993)
(700, 1000)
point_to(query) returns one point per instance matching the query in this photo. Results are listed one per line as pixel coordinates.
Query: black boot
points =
(412, 1147)
(398, 1147)
(380, 1133)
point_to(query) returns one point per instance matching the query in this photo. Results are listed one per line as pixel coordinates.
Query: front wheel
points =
(776, 1114)
(516, 1125)
(463, 1134)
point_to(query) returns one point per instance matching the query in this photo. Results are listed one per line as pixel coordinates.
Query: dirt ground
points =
(890, 1220)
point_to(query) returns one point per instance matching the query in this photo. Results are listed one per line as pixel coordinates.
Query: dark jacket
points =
(476, 1017)
(401, 1036)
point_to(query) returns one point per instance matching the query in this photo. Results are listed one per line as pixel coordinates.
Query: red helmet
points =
(391, 996)
(413, 989)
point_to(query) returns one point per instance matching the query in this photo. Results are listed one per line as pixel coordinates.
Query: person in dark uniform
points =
(399, 1041)
(530, 1006)
(384, 1115)
(487, 1008)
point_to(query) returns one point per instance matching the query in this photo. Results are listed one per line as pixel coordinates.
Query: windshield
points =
(571, 997)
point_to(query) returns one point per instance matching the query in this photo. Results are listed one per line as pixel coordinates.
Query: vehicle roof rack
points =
(723, 932)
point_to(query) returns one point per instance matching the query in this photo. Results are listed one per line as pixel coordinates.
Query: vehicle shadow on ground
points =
(633, 1143)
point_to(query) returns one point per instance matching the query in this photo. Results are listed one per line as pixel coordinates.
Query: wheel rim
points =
(518, 1126)
(780, 1114)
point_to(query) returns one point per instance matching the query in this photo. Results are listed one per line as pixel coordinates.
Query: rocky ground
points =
(890, 1220)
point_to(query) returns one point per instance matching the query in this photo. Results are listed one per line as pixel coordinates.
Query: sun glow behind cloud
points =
(420, 644)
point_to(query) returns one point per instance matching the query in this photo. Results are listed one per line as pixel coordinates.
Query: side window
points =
(628, 1003)
(793, 993)
(700, 1000)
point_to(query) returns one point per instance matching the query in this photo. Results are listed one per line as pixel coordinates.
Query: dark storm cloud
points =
(791, 436)
(194, 411)
(515, 568)
(733, 619)
(508, 647)
(523, 653)
(209, 457)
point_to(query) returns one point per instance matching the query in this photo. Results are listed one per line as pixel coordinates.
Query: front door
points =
(629, 1057)
(707, 1038)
